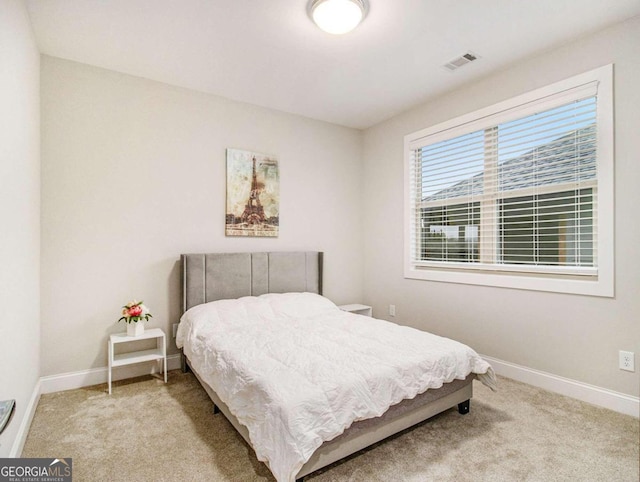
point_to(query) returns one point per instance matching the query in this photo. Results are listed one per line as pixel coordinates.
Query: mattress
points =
(297, 371)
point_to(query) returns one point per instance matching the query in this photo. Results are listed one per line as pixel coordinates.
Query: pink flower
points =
(134, 312)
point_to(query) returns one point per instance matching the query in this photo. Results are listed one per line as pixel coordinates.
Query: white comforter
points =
(297, 371)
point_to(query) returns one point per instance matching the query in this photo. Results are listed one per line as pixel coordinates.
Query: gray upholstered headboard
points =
(219, 276)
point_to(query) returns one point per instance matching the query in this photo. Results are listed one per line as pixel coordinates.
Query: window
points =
(519, 194)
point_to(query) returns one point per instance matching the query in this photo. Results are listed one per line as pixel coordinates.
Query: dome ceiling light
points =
(337, 16)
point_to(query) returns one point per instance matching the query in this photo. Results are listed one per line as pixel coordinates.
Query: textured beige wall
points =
(577, 337)
(133, 174)
(19, 213)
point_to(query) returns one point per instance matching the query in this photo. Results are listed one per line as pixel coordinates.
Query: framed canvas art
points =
(253, 194)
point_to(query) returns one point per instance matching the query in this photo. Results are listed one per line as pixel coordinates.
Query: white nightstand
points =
(357, 309)
(159, 353)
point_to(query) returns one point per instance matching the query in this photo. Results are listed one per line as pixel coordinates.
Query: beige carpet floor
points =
(149, 431)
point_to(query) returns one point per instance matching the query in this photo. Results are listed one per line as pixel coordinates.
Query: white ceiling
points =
(269, 53)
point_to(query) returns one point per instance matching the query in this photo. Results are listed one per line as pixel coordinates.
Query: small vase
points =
(135, 329)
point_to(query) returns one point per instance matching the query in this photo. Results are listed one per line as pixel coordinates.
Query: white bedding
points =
(297, 371)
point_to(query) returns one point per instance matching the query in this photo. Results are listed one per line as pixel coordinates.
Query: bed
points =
(240, 309)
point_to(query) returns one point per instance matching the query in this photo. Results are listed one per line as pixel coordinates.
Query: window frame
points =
(597, 281)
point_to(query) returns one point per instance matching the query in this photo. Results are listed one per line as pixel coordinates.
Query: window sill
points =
(601, 285)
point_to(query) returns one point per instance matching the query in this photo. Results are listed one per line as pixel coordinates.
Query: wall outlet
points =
(627, 361)
(392, 310)
(175, 329)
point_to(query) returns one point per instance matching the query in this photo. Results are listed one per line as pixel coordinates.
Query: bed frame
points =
(216, 276)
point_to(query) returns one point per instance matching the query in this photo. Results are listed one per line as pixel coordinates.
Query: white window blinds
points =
(513, 191)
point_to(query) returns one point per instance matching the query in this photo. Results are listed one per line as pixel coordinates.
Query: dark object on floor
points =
(7, 407)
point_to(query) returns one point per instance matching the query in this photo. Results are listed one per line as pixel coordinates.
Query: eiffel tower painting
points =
(253, 194)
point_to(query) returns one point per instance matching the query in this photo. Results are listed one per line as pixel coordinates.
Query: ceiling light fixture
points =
(337, 16)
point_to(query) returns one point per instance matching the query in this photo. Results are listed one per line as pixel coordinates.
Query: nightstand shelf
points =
(358, 309)
(122, 359)
(137, 357)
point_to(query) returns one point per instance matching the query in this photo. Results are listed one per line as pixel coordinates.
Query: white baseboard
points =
(618, 402)
(96, 376)
(25, 424)
(602, 397)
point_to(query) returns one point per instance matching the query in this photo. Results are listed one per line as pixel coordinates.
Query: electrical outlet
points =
(627, 361)
(175, 329)
(392, 310)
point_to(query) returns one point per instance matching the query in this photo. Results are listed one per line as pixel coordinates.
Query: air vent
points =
(460, 61)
